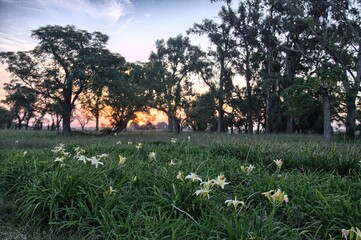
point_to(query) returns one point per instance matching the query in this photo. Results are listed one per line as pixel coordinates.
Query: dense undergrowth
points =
(57, 194)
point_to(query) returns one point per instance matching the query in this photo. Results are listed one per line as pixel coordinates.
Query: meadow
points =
(158, 185)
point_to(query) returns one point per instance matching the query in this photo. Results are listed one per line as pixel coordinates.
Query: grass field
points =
(139, 185)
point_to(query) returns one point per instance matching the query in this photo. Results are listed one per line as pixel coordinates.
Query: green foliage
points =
(143, 197)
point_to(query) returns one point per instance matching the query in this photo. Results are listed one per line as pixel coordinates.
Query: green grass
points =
(44, 199)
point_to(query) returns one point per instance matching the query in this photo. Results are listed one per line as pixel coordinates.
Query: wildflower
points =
(180, 176)
(277, 197)
(24, 153)
(110, 191)
(79, 150)
(139, 146)
(65, 153)
(234, 202)
(345, 233)
(59, 159)
(208, 184)
(130, 143)
(135, 179)
(193, 177)
(357, 231)
(17, 141)
(152, 156)
(278, 163)
(60, 148)
(119, 142)
(173, 140)
(189, 139)
(104, 155)
(81, 158)
(95, 161)
(122, 160)
(203, 192)
(221, 181)
(248, 169)
(172, 163)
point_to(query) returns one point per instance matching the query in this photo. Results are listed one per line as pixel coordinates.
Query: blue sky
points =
(132, 25)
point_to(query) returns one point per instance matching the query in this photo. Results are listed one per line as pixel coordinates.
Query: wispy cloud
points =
(110, 10)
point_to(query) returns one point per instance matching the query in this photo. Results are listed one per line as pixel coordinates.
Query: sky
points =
(132, 25)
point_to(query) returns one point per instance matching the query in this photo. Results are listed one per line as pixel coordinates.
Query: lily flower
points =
(203, 192)
(152, 156)
(81, 158)
(110, 191)
(172, 163)
(220, 181)
(139, 146)
(104, 155)
(357, 231)
(277, 197)
(207, 184)
(345, 233)
(59, 159)
(248, 169)
(278, 163)
(122, 160)
(180, 176)
(95, 161)
(79, 150)
(194, 177)
(234, 202)
(60, 148)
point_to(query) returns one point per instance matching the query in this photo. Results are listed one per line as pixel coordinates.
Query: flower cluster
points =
(247, 170)
(205, 186)
(62, 154)
(276, 197)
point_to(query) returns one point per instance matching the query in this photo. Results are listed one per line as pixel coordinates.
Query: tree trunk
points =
(97, 123)
(326, 116)
(66, 118)
(268, 113)
(220, 118)
(249, 98)
(290, 123)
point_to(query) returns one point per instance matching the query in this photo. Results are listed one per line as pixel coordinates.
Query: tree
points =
(168, 74)
(218, 81)
(21, 100)
(101, 70)
(58, 68)
(127, 95)
(201, 111)
(83, 117)
(5, 118)
(245, 21)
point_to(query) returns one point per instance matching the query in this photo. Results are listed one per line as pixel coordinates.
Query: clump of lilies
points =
(276, 197)
(205, 186)
(62, 154)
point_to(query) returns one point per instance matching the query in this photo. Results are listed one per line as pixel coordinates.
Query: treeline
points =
(300, 62)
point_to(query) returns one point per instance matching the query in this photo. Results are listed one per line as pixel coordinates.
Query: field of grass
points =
(138, 185)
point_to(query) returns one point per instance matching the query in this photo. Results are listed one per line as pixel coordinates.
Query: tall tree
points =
(58, 67)
(169, 69)
(245, 21)
(219, 79)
